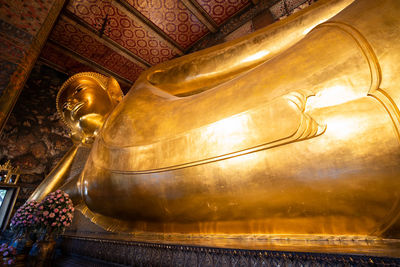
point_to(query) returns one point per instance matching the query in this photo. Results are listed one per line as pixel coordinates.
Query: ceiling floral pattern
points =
(123, 29)
(173, 18)
(122, 38)
(221, 10)
(69, 35)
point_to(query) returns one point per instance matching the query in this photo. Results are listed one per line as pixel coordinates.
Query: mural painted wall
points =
(24, 27)
(34, 138)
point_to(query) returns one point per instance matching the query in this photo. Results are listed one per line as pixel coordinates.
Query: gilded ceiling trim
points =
(148, 25)
(74, 20)
(97, 67)
(197, 10)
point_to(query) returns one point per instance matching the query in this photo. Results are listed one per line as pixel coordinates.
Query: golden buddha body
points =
(291, 130)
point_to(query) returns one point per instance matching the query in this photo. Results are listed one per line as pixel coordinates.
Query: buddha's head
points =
(84, 102)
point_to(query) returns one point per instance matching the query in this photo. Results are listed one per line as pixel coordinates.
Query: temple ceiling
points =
(122, 38)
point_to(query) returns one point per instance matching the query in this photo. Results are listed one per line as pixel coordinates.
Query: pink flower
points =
(41, 207)
(61, 200)
(56, 210)
(59, 195)
(64, 210)
(62, 218)
(53, 224)
(52, 215)
(45, 213)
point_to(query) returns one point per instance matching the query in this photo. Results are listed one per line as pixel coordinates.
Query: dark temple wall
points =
(34, 138)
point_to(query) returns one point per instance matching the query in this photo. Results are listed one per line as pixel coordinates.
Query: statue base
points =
(90, 241)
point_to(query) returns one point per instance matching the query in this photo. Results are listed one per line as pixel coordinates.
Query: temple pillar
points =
(24, 28)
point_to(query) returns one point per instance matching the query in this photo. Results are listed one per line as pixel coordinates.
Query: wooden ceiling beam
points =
(75, 20)
(95, 66)
(135, 14)
(199, 12)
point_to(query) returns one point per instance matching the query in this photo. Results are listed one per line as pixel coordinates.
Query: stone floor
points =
(73, 261)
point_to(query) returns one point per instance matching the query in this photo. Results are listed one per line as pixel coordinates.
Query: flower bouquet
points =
(22, 223)
(8, 254)
(24, 219)
(55, 213)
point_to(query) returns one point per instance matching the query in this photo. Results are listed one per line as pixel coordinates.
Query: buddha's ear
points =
(114, 89)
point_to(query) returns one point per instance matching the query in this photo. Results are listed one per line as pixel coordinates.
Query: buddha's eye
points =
(65, 107)
(78, 90)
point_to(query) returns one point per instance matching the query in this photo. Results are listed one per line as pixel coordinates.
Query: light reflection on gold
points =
(342, 127)
(229, 129)
(256, 56)
(306, 31)
(331, 96)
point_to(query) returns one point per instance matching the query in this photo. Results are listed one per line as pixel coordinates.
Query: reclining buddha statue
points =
(292, 130)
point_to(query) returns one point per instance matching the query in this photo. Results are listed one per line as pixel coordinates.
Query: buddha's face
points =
(85, 104)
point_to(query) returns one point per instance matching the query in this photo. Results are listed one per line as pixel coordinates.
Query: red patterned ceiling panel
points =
(221, 10)
(123, 29)
(173, 18)
(85, 45)
(70, 65)
(26, 15)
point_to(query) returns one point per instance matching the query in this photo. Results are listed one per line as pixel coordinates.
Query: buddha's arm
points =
(207, 68)
(56, 177)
